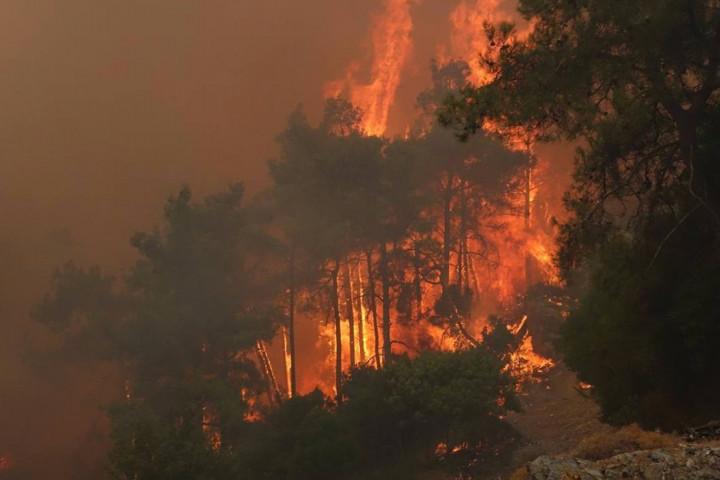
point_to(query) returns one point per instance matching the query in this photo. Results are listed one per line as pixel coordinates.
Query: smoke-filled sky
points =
(108, 106)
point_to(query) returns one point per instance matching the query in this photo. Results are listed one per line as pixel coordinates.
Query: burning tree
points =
(397, 246)
(404, 234)
(639, 85)
(325, 181)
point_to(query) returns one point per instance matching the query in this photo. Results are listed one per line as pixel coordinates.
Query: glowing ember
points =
(253, 414)
(209, 426)
(441, 450)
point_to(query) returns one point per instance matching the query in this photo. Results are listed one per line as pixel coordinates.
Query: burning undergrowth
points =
(497, 270)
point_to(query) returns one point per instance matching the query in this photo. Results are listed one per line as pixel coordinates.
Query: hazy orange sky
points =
(107, 107)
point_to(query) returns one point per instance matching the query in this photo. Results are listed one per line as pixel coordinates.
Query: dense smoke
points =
(108, 108)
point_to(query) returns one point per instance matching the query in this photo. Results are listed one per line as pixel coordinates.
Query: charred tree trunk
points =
(462, 244)
(360, 309)
(385, 279)
(349, 311)
(466, 262)
(526, 214)
(334, 294)
(459, 324)
(447, 235)
(373, 307)
(473, 272)
(266, 367)
(288, 361)
(417, 282)
(291, 324)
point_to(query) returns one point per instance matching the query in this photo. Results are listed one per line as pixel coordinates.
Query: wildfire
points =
(516, 251)
(468, 37)
(391, 45)
(521, 256)
(525, 364)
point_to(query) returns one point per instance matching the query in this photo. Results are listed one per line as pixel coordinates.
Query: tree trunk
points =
(373, 307)
(462, 244)
(288, 360)
(459, 324)
(526, 214)
(360, 309)
(349, 311)
(417, 282)
(385, 279)
(473, 272)
(266, 366)
(291, 324)
(447, 235)
(334, 294)
(466, 261)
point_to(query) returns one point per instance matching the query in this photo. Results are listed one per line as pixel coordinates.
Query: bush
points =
(629, 438)
(146, 446)
(323, 448)
(413, 405)
(646, 338)
(390, 417)
(394, 416)
(169, 433)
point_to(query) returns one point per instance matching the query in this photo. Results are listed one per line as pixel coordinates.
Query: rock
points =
(699, 463)
(559, 468)
(659, 456)
(709, 431)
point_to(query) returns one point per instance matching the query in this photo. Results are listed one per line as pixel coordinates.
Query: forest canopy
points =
(637, 86)
(354, 231)
(422, 263)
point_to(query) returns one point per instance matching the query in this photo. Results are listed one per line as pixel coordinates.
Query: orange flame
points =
(522, 243)
(468, 37)
(525, 364)
(521, 255)
(391, 48)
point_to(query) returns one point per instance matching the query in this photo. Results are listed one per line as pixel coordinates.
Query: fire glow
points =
(391, 48)
(522, 237)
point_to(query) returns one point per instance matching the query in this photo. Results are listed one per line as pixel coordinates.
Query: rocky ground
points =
(556, 416)
(558, 436)
(559, 422)
(689, 462)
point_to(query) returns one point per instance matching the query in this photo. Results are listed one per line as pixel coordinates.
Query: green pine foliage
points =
(637, 86)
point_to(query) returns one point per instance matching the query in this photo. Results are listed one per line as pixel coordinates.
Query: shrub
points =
(629, 438)
(646, 338)
(412, 405)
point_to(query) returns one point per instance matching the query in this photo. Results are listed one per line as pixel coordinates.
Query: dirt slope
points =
(556, 416)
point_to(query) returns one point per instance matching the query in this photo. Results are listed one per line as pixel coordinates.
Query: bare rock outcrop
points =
(685, 463)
